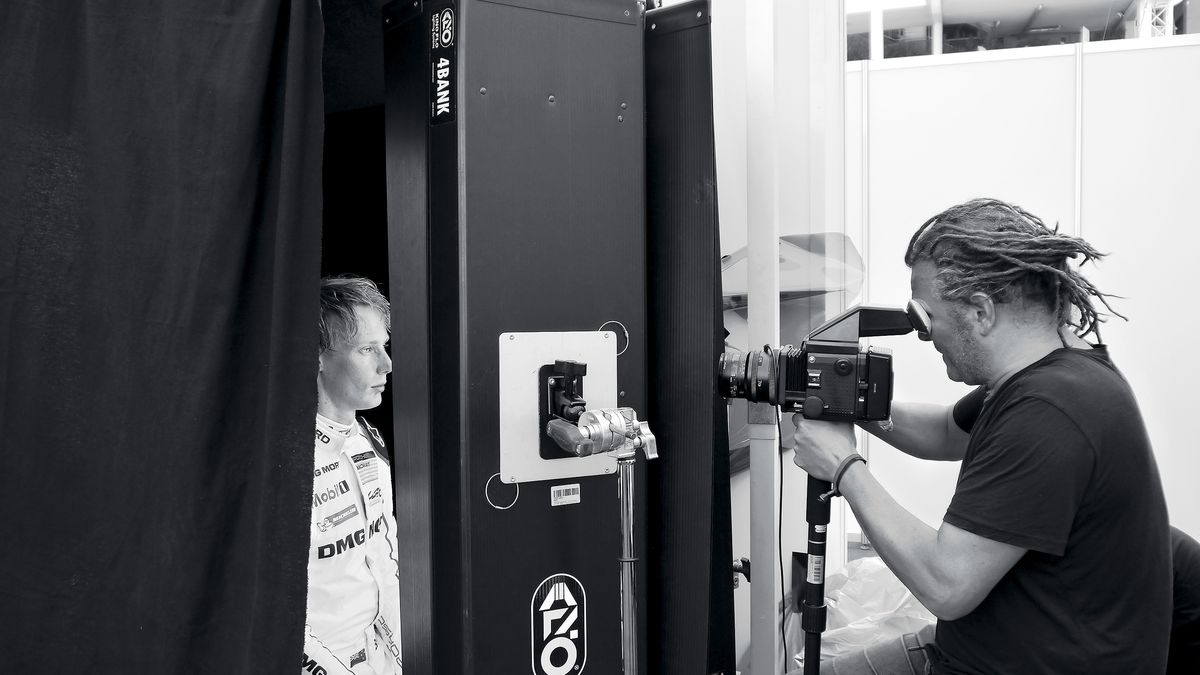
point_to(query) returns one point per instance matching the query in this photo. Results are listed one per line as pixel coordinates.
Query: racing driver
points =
(353, 615)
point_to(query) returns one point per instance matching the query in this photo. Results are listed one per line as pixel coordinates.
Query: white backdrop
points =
(1141, 203)
(1111, 130)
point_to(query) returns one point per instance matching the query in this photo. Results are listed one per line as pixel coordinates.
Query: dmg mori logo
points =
(559, 626)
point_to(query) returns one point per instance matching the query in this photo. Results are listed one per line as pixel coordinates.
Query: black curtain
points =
(160, 215)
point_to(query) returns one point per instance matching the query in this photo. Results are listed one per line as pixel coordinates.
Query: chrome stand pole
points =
(629, 619)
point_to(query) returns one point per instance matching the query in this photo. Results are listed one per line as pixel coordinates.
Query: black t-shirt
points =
(1059, 463)
(1185, 621)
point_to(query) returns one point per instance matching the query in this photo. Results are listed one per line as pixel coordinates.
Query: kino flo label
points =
(558, 623)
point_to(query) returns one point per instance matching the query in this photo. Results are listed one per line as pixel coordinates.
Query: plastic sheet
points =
(865, 603)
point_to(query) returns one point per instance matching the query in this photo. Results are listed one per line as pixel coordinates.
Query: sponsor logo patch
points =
(366, 466)
(338, 518)
(322, 496)
(310, 666)
(349, 541)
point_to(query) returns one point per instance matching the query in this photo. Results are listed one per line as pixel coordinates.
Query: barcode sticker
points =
(564, 494)
(816, 569)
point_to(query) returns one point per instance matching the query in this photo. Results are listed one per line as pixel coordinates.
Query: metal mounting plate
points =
(521, 355)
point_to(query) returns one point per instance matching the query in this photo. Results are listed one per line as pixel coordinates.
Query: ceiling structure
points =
(1013, 16)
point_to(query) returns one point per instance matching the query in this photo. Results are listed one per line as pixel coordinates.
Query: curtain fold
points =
(160, 215)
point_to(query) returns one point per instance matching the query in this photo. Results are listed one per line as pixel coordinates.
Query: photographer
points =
(1054, 554)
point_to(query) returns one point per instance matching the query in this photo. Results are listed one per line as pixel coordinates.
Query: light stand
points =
(812, 608)
(629, 654)
(617, 432)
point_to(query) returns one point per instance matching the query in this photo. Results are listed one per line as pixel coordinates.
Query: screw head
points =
(624, 106)
(626, 12)
(512, 337)
(550, 98)
(620, 118)
(653, 26)
(483, 91)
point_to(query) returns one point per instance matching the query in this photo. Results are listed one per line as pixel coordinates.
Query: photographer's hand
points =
(821, 446)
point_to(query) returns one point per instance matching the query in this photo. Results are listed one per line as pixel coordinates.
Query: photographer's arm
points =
(949, 569)
(923, 430)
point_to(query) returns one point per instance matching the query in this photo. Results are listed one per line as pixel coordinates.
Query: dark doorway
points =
(354, 237)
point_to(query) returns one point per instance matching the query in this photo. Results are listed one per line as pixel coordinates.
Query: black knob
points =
(570, 368)
(843, 367)
(814, 407)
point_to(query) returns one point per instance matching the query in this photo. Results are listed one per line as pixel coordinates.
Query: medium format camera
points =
(829, 376)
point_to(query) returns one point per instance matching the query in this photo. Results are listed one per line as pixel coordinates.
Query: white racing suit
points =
(353, 622)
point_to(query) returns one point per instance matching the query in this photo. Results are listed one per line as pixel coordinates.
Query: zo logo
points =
(558, 617)
(446, 36)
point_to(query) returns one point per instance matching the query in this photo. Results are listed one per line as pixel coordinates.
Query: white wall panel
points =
(1141, 203)
(940, 134)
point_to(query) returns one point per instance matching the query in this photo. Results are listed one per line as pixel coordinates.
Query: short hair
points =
(339, 296)
(997, 248)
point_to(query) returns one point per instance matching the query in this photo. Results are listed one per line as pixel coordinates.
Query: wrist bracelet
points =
(841, 471)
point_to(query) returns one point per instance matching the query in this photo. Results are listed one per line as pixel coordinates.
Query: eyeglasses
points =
(918, 316)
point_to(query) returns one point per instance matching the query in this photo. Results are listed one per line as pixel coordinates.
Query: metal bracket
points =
(521, 357)
(762, 413)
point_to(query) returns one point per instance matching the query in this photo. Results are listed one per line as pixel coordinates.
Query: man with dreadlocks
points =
(1054, 554)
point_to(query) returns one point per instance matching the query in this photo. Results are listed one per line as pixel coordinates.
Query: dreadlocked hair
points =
(1002, 250)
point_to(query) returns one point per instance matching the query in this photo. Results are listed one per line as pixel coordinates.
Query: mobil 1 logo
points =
(558, 618)
(443, 62)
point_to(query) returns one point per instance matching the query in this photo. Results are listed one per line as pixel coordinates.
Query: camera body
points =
(829, 376)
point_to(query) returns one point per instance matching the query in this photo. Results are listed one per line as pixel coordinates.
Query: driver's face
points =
(353, 373)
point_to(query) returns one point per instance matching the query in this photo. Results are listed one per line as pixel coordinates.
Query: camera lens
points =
(760, 368)
(749, 376)
(731, 375)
